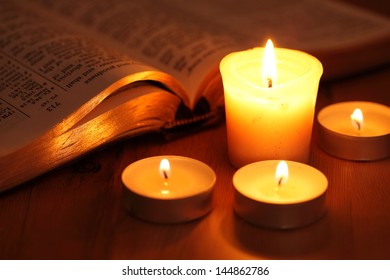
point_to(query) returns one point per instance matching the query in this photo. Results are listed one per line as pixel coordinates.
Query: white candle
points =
(266, 198)
(168, 189)
(355, 130)
(268, 115)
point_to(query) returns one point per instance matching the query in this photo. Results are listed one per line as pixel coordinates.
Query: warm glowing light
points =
(357, 119)
(269, 65)
(165, 192)
(165, 169)
(281, 174)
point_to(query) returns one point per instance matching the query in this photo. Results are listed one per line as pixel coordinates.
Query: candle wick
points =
(280, 182)
(165, 178)
(269, 80)
(358, 125)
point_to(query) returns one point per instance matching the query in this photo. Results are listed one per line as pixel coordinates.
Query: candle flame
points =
(281, 174)
(165, 169)
(357, 119)
(269, 65)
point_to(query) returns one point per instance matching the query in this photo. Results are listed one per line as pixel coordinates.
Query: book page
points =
(47, 73)
(188, 38)
(307, 25)
(158, 33)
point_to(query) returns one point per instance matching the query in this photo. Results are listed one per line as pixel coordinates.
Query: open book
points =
(75, 75)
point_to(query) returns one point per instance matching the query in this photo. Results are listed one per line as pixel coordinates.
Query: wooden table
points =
(76, 213)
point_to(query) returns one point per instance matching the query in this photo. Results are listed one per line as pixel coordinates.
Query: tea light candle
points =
(269, 106)
(279, 194)
(355, 130)
(168, 189)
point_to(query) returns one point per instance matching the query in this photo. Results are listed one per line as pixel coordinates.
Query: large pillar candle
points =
(269, 116)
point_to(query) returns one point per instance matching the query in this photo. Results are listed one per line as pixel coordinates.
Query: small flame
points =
(269, 65)
(165, 169)
(357, 119)
(281, 174)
